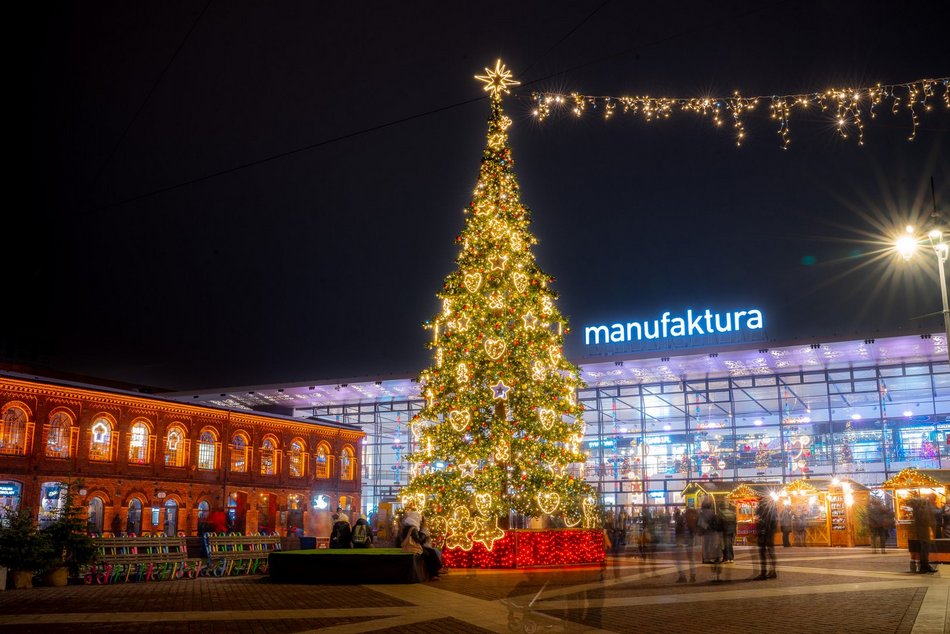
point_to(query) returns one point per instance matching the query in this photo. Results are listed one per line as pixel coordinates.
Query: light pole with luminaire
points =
(907, 245)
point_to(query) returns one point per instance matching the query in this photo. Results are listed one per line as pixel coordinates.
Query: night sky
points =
(323, 263)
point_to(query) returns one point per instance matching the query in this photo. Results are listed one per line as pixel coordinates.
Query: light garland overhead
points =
(848, 108)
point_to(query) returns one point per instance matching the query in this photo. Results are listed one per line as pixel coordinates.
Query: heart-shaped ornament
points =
(547, 416)
(521, 281)
(473, 281)
(459, 419)
(483, 502)
(494, 348)
(548, 501)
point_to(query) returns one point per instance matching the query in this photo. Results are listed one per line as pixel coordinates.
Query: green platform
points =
(345, 566)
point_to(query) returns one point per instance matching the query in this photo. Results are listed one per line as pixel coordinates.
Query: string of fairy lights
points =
(847, 108)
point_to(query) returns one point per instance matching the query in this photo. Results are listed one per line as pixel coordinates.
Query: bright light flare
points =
(906, 245)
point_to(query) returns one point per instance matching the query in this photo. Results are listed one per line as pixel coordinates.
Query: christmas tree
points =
(501, 422)
(845, 453)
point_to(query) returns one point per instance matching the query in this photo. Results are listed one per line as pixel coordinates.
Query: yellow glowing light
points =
(483, 503)
(468, 468)
(500, 390)
(472, 281)
(460, 419)
(530, 321)
(498, 262)
(537, 371)
(502, 451)
(461, 373)
(521, 282)
(495, 347)
(497, 81)
(487, 532)
(548, 501)
(548, 417)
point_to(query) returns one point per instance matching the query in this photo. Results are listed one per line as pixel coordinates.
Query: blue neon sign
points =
(702, 322)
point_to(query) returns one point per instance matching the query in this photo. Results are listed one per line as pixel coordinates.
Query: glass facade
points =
(647, 440)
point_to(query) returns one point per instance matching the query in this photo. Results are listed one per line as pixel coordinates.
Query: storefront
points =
(828, 510)
(910, 484)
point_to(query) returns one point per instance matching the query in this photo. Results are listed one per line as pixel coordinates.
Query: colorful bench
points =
(235, 554)
(155, 558)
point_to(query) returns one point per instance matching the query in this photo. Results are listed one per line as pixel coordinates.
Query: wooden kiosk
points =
(745, 498)
(695, 491)
(831, 509)
(911, 483)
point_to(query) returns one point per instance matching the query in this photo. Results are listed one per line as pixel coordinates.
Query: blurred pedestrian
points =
(946, 520)
(711, 535)
(800, 526)
(729, 522)
(765, 525)
(923, 524)
(878, 524)
(786, 523)
(683, 543)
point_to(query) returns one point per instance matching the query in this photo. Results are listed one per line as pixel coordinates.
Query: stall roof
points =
(911, 477)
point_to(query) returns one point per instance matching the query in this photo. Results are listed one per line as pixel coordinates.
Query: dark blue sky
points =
(324, 263)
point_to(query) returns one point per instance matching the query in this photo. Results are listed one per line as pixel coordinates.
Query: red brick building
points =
(166, 466)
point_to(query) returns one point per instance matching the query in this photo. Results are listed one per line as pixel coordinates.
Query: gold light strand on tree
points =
(848, 106)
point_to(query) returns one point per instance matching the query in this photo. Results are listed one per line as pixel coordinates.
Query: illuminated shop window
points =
(175, 447)
(295, 459)
(268, 456)
(138, 443)
(239, 453)
(52, 498)
(322, 461)
(207, 450)
(100, 442)
(13, 431)
(58, 435)
(347, 464)
(10, 492)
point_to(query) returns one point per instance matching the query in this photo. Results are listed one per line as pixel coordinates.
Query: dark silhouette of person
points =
(765, 521)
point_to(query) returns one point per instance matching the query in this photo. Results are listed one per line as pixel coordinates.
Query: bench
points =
(156, 558)
(939, 550)
(346, 565)
(234, 554)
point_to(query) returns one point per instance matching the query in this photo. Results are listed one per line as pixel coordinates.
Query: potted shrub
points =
(22, 549)
(71, 547)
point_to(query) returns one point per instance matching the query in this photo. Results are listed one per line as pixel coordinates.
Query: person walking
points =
(683, 540)
(800, 526)
(786, 525)
(923, 524)
(729, 522)
(765, 524)
(712, 536)
(116, 524)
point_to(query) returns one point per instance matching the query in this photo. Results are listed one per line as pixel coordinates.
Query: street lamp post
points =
(907, 245)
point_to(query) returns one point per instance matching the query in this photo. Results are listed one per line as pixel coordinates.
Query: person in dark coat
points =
(340, 534)
(765, 525)
(786, 525)
(922, 530)
(729, 522)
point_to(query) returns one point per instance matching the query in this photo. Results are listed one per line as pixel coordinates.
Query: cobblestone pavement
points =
(817, 590)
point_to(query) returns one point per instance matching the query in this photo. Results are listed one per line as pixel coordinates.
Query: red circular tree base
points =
(526, 548)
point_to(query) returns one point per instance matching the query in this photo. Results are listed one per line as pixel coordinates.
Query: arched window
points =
(95, 511)
(171, 518)
(100, 439)
(139, 443)
(204, 510)
(323, 461)
(59, 436)
(208, 449)
(133, 523)
(239, 453)
(347, 464)
(269, 456)
(13, 430)
(175, 443)
(296, 459)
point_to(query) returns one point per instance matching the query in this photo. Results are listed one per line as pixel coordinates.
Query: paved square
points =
(817, 590)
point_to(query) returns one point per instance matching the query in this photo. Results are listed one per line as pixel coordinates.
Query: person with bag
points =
(340, 534)
(362, 535)
(729, 522)
(765, 525)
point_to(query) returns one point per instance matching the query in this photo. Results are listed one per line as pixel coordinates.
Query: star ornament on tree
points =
(500, 390)
(497, 81)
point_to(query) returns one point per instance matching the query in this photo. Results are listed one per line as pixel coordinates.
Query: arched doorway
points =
(171, 518)
(267, 516)
(94, 521)
(133, 523)
(237, 512)
(204, 513)
(294, 513)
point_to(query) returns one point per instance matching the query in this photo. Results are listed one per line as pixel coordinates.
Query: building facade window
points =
(100, 440)
(139, 443)
(133, 523)
(13, 430)
(52, 499)
(59, 436)
(296, 459)
(171, 518)
(322, 461)
(347, 464)
(175, 447)
(208, 450)
(239, 453)
(269, 456)
(94, 516)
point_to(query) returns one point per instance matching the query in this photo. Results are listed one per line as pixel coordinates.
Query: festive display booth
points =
(831, 509)
(911, 483)
(532, 548)
(695, 491)
(745, 499)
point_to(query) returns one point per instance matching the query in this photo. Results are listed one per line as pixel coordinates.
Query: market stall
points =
(745, 498)
(694, 492)
(911, 483)
(831, 511)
